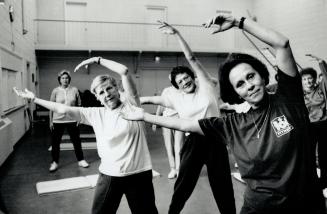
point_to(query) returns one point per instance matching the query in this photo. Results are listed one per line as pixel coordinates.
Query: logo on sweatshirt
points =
(281, 126)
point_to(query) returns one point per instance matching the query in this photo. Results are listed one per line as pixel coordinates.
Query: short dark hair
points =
(309, 71)
(180, 70)
(228, 94)
(63, 72)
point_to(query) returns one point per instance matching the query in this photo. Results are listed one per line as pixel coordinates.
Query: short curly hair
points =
(228, 94)
(180, 70)
(309, 71)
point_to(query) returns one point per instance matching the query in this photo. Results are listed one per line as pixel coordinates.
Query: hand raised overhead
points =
(86, 63)
(167, 28)
(222, 21)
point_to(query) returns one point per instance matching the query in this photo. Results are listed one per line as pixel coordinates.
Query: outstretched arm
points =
(203, 76)
(284, 55)
(184, 125)
(127, 81)
(52, 106)
(155, 100)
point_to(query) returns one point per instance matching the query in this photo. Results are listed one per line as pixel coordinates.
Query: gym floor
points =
(30, 161)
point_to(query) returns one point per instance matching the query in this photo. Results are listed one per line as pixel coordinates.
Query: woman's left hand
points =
(86, 63)
(166, 28)
(222, 21)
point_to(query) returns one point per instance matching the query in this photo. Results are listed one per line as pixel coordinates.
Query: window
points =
(10, 79)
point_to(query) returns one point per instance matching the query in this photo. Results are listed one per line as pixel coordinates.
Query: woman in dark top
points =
(272, 142)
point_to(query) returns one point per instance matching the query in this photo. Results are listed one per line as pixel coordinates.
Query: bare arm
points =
(127, 81)
(284, 55)
(185, 125)
(203, 76)
(52, 106)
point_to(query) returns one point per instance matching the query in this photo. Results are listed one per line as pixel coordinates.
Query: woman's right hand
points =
(222, 21)
(167, 28)
(26, 94)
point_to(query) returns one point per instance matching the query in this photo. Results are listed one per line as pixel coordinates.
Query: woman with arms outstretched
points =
(272, 142)
(125, 167)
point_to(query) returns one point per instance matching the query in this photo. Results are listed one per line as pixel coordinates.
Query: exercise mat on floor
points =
(69, 146)
(92, 179)
(82, 136)
(66, 184)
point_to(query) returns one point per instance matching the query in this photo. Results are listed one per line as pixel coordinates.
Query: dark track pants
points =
(56, 135)
(196, 152)
(320, 130)
(138, 189)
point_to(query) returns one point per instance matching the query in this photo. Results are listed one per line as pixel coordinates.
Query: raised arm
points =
(52, 106)
(185, 125)
(281, 45)
(127, 81)
(203, 76)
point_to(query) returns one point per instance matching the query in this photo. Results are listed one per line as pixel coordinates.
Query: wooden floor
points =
(30, 161)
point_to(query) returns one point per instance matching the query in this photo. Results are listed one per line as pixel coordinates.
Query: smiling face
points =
(308, 82)
(248, 84)
(108, 95)
(185, 82)
(64, 80)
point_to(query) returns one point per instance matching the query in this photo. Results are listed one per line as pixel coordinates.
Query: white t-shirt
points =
(122, 144)
(197, 105)
(168, 112)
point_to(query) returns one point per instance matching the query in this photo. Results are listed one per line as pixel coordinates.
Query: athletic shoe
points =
(83, 164)
(172, 174)
(324, 192)
(53, 166)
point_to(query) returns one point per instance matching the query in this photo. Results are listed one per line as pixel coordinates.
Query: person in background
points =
(272, 142)
(125, 167)
(67, 95)
(315, 94)
(196, 100)
(173, 139)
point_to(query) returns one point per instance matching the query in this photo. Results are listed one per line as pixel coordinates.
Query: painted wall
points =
(186, 15)
(302, 21)
(17, 53)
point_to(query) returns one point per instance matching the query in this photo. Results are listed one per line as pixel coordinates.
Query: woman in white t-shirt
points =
(125, 167)
(173, 139)
(196, 100)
